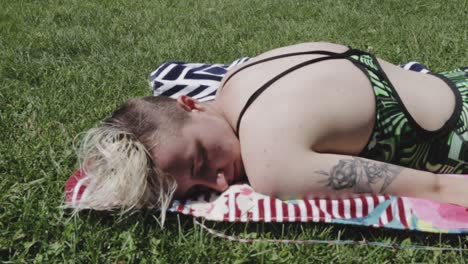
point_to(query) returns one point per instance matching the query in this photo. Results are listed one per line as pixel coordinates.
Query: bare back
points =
(326, 107)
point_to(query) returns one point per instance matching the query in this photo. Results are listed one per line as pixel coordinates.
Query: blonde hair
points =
(115, 159)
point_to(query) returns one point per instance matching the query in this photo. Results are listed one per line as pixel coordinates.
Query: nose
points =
(218, 183)
(221, 181)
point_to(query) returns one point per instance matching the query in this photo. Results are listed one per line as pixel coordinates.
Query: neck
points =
(214, 108)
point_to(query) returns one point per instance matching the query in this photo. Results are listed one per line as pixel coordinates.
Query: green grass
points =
(64, 65)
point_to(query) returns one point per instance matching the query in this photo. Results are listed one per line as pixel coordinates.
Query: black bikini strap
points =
(260, 90)
(320, 52)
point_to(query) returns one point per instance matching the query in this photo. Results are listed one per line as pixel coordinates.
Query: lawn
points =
(65, 65)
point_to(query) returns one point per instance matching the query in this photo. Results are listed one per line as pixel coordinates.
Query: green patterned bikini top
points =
(396, 138)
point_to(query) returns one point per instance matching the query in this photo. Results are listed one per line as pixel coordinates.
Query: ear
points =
(189, 104)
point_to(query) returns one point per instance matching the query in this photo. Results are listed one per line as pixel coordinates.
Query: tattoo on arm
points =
(360, 174)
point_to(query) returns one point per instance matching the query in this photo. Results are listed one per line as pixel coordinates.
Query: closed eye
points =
(192, 168)
(204, 158)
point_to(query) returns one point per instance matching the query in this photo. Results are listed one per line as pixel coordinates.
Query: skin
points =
(302, 136)
(360, 175)
(198, 159)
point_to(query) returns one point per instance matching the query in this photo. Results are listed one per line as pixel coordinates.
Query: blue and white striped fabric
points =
(197, 80)
(201, 80)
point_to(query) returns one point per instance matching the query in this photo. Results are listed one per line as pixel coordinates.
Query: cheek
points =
(225, 147)
(223, 143)
(231, 147)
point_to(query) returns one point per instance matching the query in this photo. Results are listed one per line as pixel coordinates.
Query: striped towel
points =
(240, 203)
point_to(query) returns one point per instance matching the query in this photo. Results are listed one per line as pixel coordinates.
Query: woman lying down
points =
(315, 119)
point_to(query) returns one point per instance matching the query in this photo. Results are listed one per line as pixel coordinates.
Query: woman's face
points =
(205, 156)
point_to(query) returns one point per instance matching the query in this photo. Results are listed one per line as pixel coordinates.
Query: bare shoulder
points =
(306, 111)
(273, 135)
(266, 155)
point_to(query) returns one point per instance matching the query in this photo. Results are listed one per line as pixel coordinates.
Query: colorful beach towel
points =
(240, 203)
